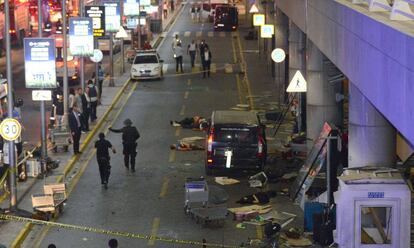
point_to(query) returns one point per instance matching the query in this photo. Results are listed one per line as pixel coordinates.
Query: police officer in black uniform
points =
(102, 156)
(130, 135)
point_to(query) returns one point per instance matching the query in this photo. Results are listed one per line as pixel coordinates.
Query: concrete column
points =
(281, 34)
(321, 103)
(371, 137)
(297, 40)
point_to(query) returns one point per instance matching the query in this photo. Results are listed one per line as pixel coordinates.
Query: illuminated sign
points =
(97, 13)
(39, 63)
(131, 7)
(298, 83)
(258, 19)
(267, 31)
(80, 36)
(112, 17)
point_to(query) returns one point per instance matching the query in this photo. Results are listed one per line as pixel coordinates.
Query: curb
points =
(69, 165)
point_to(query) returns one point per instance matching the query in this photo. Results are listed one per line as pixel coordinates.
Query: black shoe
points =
(171, 122)
(78, 152)
(105, 186)
(132, 170)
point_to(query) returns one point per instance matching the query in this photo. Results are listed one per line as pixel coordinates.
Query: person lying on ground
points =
(181, 146)
(196, 122)
(257, 198)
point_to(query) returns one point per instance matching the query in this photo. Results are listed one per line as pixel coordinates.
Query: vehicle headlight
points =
(134, 70)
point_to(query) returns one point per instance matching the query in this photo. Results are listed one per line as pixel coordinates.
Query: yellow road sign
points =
(258, 19)
(10, 129)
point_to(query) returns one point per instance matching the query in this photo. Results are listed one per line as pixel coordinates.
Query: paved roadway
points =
(31, 109)
(151, 200)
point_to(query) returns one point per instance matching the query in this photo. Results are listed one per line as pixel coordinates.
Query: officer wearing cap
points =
(130, 135)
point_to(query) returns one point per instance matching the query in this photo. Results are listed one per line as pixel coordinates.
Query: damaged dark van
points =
(235, 140)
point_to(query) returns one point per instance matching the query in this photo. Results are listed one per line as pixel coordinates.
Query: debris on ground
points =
(183, 146)
(300, 242)
(258, 180)
(252, 208)
(191, 139)
(257, 198)
(282, 218)
(225, 180)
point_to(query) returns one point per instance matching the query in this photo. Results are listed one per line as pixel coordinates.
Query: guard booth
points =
(373, 209)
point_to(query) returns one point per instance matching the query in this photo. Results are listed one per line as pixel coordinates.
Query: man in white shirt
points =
(192, 50)
(178, 53)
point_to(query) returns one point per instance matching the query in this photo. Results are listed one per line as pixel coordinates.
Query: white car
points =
(146, 65)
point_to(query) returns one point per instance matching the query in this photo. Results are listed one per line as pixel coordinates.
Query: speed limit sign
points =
(10, 129)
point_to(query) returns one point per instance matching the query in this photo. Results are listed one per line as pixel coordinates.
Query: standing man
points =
(85, 108)
(206, 61)
(130, 135)
(178, 54)
(93, 94)
(165, 9)
(102, 156)
(101, 77)
(192, 50)
(75, 128)
(203, 45)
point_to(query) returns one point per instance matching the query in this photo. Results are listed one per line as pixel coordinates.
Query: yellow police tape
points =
(109, 232)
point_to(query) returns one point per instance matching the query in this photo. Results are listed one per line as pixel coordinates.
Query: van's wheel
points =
(209, 171)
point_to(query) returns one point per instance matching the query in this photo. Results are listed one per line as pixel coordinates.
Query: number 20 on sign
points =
(10, 129)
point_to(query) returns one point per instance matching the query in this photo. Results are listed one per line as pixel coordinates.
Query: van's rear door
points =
(241, 141)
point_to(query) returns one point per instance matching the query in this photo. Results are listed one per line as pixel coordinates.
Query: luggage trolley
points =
(196, 203)
(196, 191)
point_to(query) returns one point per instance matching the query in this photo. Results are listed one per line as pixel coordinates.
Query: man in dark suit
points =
(75, 128)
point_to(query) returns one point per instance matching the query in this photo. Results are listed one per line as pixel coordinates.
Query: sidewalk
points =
(264, 97)
(12, 234)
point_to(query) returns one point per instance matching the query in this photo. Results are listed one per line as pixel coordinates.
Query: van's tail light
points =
(260, 146)
(210, 147)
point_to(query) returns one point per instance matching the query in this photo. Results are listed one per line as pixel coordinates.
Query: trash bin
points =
(156, 25)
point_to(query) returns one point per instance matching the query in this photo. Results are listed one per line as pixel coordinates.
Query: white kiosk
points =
(373, 209)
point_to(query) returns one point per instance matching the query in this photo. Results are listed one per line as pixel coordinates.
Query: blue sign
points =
(376, 195)
(81, 36)
(39, 63)
(131, 7)
(112, 17)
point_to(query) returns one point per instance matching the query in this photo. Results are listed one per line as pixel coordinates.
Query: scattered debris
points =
(252, 208)
(226, 180)
(280, 217)
(258, 180)
(258, 198)
(300, 242)
(289, 176)
(241, 226)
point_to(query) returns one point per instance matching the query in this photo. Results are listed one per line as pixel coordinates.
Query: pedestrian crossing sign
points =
(254, 9)
(298, 83)
(258, 20)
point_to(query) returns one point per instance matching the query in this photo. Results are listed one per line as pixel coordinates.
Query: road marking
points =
(222, 34)
(189, 82)
(187, 34)
(198, 34)
(246, 77)
(239, 88)
(259, 232)
(177, 131)
(164, 187)
(172, 156)
(186, 95)
(210, 34)
(182, 111)
(213, 68)
(154, 230)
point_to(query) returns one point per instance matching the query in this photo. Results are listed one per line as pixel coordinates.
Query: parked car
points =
(146, 65)
(235, 140)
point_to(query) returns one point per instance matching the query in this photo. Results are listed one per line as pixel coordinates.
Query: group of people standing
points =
(82, 105)
(192, 49)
